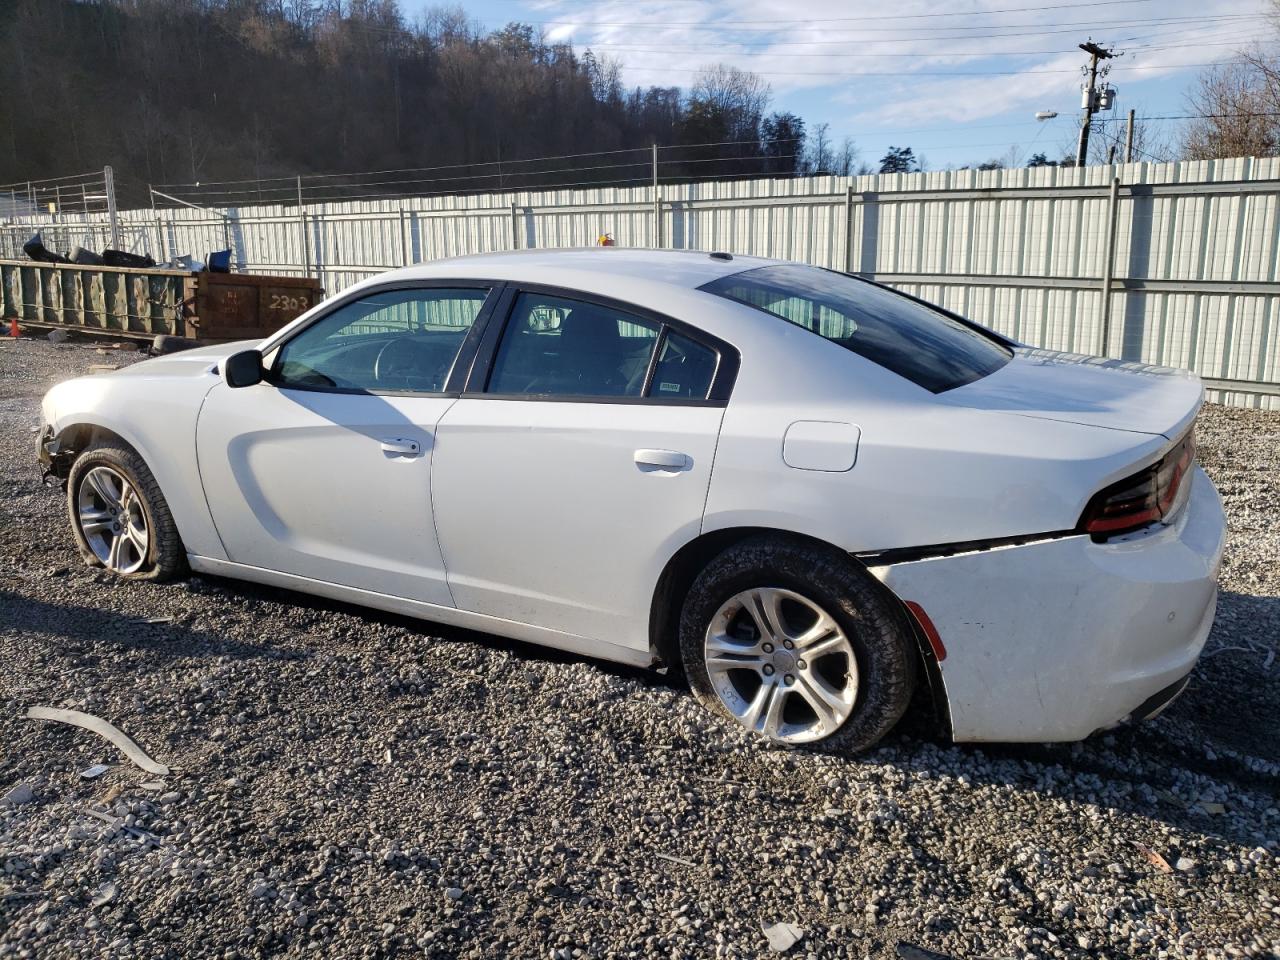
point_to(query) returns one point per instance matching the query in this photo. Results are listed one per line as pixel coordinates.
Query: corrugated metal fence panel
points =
(1023, 251)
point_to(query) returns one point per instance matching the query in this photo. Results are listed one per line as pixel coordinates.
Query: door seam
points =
(204, 489)
(431, 499)
(706, 497)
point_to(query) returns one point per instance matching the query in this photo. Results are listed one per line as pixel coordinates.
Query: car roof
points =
(686, 269)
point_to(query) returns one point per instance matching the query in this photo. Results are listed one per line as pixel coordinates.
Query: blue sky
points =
(959, 82)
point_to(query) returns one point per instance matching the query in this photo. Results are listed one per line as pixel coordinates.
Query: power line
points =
(907, 74)
(480, 163)
(823, 23)
(940, 55)
(336, 190)
(959, 13)
(1211, 116)
(861, 41)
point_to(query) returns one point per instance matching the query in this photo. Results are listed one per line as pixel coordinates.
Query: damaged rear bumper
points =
(1056, 639)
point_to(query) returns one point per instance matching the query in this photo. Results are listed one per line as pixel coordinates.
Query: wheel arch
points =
(67, 443)
(684, 565)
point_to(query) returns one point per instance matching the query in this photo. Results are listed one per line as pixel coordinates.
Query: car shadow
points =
(81, 627)
(435, 629)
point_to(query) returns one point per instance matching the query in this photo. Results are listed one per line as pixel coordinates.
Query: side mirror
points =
(243, 369)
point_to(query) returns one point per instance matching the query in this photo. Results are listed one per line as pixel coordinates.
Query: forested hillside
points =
(186, 91)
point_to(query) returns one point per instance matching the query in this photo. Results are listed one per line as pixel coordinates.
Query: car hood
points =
(193, 362)
(1073, 388)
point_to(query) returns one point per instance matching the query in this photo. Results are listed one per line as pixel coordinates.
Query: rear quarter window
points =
(916, 342)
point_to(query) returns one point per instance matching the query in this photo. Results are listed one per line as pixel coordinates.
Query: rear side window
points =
(926, 347)
(553, 346)
(685, 368)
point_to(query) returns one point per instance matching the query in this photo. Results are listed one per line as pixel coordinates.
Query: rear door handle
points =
(664, 459)
(401, 447)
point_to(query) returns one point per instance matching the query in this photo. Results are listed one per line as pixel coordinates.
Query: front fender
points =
(159, 422)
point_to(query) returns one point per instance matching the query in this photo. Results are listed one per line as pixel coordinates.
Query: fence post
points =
(848, 228)
(302, 227)
(109, 179)
(317, 237)
(306, 244)
(657, 201)
(515, 228)
(1109, 265)
(404, 243)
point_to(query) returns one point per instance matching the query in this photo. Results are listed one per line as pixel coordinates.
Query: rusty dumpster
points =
(140, 303)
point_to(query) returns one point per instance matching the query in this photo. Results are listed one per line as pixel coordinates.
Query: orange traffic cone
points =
(13, 326)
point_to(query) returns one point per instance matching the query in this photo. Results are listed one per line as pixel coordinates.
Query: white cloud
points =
(561, 32)
(874, 66)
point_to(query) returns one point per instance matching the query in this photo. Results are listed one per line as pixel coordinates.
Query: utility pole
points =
(1096, 53)
(1128, 140)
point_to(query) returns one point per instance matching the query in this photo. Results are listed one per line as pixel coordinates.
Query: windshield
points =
(908, 338)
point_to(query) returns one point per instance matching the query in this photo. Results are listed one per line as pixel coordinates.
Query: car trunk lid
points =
(1113, 394)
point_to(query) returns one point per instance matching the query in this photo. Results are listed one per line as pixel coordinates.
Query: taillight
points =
(1143, 498)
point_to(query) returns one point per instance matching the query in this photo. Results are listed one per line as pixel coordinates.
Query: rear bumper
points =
(1056, 639)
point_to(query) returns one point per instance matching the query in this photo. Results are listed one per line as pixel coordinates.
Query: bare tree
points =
(820, 160)
(737, 94)
(1235, 107)
(846, 159)
(1107, 141)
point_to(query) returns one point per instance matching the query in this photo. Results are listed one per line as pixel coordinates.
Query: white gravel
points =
(351, 784)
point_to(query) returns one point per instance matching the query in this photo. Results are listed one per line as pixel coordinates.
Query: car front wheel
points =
(120, 519)
(798, 645)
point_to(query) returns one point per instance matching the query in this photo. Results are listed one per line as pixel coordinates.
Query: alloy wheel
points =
(112, 520)
(781, 665)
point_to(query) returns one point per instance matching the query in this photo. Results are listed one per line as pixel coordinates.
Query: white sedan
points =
(815, 496)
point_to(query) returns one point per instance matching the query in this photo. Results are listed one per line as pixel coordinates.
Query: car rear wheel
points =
(120, 519)
(798, 645)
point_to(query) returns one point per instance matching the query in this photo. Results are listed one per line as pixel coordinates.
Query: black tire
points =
(166, 558)
(875, 626)
(166, 343)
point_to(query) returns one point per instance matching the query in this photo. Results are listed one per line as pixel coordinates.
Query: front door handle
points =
(401, 447)
(662, 459)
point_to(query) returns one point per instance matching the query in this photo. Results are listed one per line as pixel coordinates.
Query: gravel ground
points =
(349, 783)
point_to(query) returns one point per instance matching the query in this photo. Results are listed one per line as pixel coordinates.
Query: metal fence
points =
(1175, 264)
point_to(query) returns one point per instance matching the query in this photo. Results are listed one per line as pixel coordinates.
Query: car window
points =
(685, 369)
(395, 340)
(923, 345)
(553, 346)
